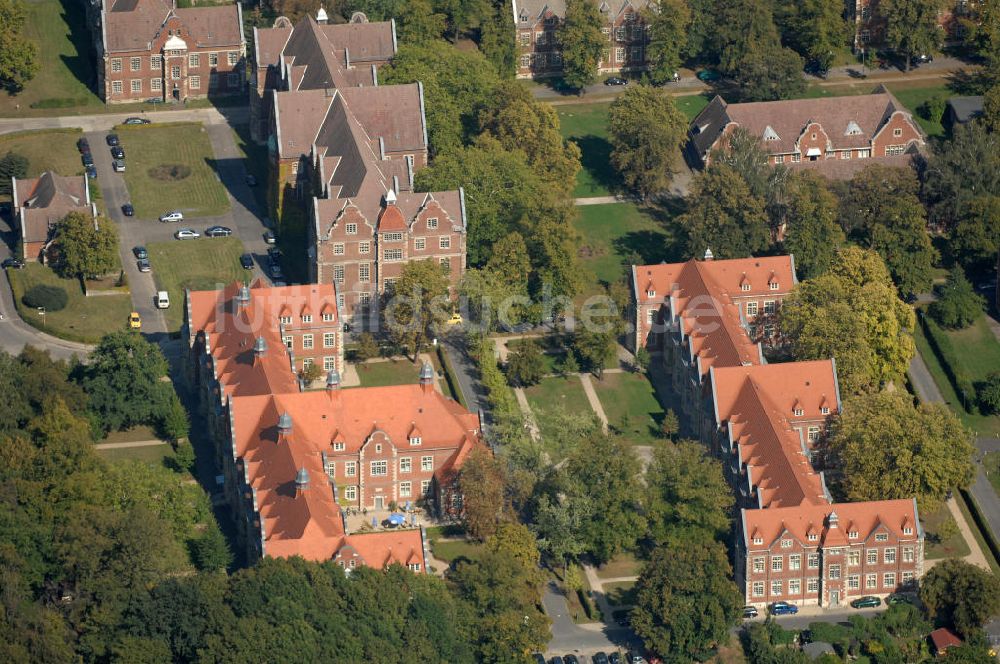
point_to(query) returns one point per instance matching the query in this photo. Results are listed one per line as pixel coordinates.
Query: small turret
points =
(242, 297)
(708, 254)
(302, 479)
(427, 376)
(260, 347)
(284, 424)
(333, 380)
(321, 16)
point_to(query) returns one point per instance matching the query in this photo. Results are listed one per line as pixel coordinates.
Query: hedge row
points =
(501, 400)
(941, 345)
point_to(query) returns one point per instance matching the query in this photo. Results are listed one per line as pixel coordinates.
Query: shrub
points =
(988, 394)
(526, 365)
(933, 108)
(52, 298)
(958, 305)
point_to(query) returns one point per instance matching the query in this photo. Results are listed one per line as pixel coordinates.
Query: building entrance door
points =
(379, 503)
(834, 598)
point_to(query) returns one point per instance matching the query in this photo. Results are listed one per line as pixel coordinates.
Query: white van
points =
(162, 299)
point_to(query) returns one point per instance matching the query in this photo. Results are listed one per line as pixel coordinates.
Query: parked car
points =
(269, 237)
(143, 265)
(91, 172)
(866, 602)
(246, 260)
(924, 58)
(83, 145)
(614, 658)
(571, 659)
(140, 252)
(134, 321)
(633, 657)
(750, 612)
(275, 271)
(599, 658)
(87, 158)
(218, 231)
(128, 210)
(615, 80)
(15, 263)
(899, 598)
(118, 152)
(538, 657)
(118, 165)
(112, 140)
(136, 121)
(556, 660)
(708, 75)
(782, 609)
(172, 216)
(251, 180)
(187, 234)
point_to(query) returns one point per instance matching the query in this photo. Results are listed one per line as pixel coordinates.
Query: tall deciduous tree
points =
(419, 22)
(957, 305)
(12, 165)
(594, 349)
(497, 40)
(768, 73)
(417, 305)
(851, 313)
(582, 42)
(686, 601)
(949, 184)
(526, 364)
(912, 26)
(975, 239)
(669, 22)
(960, 594)
(559, 525)
(519, 122)
(481, 482)
(723, 215)
(606, 473)
(881, 210)
(882, 447)
(647, 133)
(744, 153)
(84, 247)
(18, 54)
(686, 491)
(812, 234)
(814, 28)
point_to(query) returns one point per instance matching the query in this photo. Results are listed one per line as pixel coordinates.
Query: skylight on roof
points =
(852, 129)
(770, 134)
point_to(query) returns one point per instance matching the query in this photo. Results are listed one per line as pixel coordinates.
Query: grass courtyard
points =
(944, 540)
(170, 167)
(203, 264)
(85, 319)
(629, 400)
(614, 234)
(556, 393)
(46, 150)
(391, 372)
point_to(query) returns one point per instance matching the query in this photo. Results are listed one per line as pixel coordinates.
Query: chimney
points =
(301, 481)
(427, 377)
(260, 347)
(708, 254)
(284, 425)
(321, 16)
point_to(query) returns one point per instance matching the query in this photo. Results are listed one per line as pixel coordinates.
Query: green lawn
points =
(953, 546)
(557, 392)
(620, 593)
(984, 425)
(203, 264)
(615, 234)
(914, 97)
(448, 550)
(46, 150)
(65, 58)
(158, 454)
(193, 187)
(84, 319)
(587, 125)
(623, 564)
(991, 464)
(132, 435)
(629, 401)
(392, 372)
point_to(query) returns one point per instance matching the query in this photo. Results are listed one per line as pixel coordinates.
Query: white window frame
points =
(135, 63)
(406, 464)
(156, 84)
(233, 57)
(351, 494)
(194, 60)
(116, 65)
(307, 341)
(136, 85)
(405, 489)
(419, 244)
(378, 468)
(329, 339)
(194, 82)
(427, 464)
(350, 468)
(117, 87)
(338, 248)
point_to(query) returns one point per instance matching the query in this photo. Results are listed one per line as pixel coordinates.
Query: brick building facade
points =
(869, 24)
(836, 136)
(537, 25)
(38, 204)
(293, 460)
(708, 321)
(151, 49)
(347, 149)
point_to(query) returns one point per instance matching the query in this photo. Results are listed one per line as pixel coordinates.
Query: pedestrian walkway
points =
(131, 443)
(598, 200)
(976, 556)
(595, 403)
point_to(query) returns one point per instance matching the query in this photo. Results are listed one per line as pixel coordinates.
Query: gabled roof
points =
(43, 201)
(801, 519)
(133, 25)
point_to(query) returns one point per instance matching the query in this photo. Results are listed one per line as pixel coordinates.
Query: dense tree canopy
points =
(417, 305)
(957, 305)
(883, 447)
(912, 27)
(960, 595)
(723, 215)
(816, 29)
(853, 314)
(812, 234)
(647, 134)
(84, 247)
(686, 492)
(669, 22)
(18, 54)
(769, 73)
(582, 42)
(686, 601)
(482, 482)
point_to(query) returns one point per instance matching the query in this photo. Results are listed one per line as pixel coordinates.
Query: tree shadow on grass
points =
(595, 158)
(83, 64)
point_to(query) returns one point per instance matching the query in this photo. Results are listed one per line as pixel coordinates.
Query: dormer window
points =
(852, 129)
(908, 530)
(327, 318)
(339, 447)
(882, 537)
(799, 412)
(813, 537)
(651, 293)
(416, 440)
(307, 318)
(770, 134)
(285, 320)
(852, 534)
(745, 286)
(758, 541)
(825, 410)
(773, 285)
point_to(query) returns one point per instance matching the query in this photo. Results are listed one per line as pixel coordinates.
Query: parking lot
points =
(243, 218)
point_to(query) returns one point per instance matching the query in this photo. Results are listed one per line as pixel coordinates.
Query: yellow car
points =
(134, 322)
(456, 319)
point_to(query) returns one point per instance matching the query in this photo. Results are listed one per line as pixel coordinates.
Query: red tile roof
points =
(43, 201)
(943, 638)
(133, 25)
(863, 519)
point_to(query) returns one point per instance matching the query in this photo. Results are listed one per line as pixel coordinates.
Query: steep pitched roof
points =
(41, 202)
(865, 519)
(133, 25)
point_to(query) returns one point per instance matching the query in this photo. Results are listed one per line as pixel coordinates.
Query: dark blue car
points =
(783, 608)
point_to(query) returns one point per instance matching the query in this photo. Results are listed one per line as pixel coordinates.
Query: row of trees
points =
(18, 53)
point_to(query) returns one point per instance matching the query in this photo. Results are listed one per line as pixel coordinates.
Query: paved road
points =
(689, 84)
(105, 121)
(568, 637)
(15, 334)
(465, 374)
